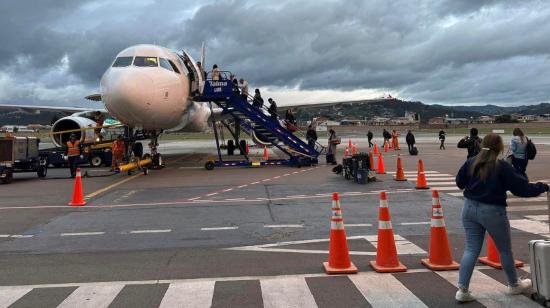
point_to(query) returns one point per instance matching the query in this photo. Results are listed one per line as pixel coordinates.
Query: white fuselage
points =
(147, 87)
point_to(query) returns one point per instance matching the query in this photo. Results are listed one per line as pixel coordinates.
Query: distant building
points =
(526, 118)
(543, 117)
(436, 121)
(448, 121)
(380, 121)
(486, 119)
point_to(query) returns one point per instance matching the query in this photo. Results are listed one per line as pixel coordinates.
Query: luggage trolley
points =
(20, 154)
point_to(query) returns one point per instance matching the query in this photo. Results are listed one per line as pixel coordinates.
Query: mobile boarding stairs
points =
(258, 122)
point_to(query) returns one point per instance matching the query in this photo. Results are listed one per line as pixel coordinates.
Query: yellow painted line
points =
(102, 190)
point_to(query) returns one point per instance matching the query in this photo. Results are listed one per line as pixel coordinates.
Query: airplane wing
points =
(37, 108)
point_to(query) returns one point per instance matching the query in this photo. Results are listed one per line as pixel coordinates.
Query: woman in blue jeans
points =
(485, 180)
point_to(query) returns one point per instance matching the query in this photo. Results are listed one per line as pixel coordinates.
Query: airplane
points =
(148, 88)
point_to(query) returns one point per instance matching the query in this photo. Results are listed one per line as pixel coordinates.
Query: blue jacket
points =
(493, 190)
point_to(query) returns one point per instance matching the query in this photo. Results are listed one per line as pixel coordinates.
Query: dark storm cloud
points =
(441, 51)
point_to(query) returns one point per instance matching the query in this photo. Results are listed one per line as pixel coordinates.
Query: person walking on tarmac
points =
(472, 143)
(370, 136)
(333, 141)
(409, 138)
(311, 136)
(387, 136)
(73, 153)
(395, 139)
(118, 150)
(442, 139)
(518, 147)
(485, 180)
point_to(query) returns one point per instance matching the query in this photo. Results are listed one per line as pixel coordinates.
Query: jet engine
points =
(82, 127)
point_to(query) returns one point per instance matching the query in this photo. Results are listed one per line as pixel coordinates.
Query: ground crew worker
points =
(99, 119)
(118, 150)
(73, 153)
(395, 139)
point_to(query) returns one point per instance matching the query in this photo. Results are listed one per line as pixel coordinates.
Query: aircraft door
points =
(197, 83)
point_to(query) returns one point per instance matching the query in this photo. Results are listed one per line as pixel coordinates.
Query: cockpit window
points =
(164, 63)
(122, 62)
(146, 61)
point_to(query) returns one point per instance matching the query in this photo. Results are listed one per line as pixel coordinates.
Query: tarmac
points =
(242, 237)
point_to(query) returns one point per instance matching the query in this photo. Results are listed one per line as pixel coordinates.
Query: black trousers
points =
(442, 146)
(72, 165)
(520, 165)
(370, 143)
(411, 146)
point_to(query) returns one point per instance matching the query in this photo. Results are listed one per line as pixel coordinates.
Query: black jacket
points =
(311, 135)
(370, 135)
(410, 138)
(493, 190)
(472, 143)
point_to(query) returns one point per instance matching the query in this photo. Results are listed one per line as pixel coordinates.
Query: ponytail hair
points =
(486, 161)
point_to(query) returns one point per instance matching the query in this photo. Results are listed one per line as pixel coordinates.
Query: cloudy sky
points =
(435, 51)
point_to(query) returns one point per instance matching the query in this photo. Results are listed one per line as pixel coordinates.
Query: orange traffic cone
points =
(371, 161)
(493, 257)
(380, 169)
(266, 154)
(420, 166)
(386, 252)
(338, 256)
(386, 147)
(349, 143)
(78, 196)
(247, 148)
(400, 173)
(346, 152)
(375, 150)
(421, 182)
(439, 257)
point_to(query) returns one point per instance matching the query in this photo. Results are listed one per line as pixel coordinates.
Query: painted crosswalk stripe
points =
(283, 226)
(286, 292)
(375, 287)
(537, 217)
(442, 183)
(403, 246)
(531, 226)
(530, 200)
(415, 223)
(9, 295)
(457, 194)
(358, 225)
(92, 295)
(440, 179)
(189, 294)
(489, 292)
(445, 188)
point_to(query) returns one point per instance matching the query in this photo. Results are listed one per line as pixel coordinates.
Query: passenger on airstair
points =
(272, 108)
(243, 85)
(258, 101)
(216, 74)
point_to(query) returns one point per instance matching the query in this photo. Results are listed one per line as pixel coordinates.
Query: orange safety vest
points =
(73, 148)
(118, 146)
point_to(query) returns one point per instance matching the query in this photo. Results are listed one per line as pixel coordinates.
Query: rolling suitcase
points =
(539, 259)
(414, 151)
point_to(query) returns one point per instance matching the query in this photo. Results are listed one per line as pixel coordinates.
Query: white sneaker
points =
(524, 286)
(464, 296)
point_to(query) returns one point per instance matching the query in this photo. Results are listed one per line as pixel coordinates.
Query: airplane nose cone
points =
(127, 94)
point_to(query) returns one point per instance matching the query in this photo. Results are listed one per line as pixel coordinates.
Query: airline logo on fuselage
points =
(218, 83)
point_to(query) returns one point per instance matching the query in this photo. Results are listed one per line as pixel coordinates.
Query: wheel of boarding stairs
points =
(209, 165)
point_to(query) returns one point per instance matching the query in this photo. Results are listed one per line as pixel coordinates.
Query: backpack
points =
(530, 150)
